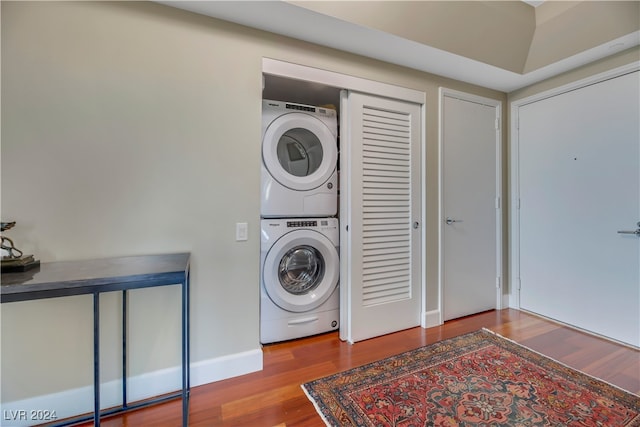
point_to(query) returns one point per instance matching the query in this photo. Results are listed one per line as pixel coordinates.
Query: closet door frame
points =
(342, 81)
(514, 161)
(501, 300)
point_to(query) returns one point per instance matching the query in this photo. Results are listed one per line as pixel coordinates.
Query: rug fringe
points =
(558, 362)
(315, 405)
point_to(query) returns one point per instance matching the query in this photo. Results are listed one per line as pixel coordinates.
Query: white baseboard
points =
(431, 319)
(514, 300)
(506, 301)
(74, 402)
(221, 368)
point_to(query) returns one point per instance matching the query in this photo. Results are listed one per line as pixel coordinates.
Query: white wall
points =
(133, 128)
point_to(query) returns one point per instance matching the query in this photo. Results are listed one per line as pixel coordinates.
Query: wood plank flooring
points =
(273, 397)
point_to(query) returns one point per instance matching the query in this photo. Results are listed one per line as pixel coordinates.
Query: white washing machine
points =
(299, 160)
(300, 268)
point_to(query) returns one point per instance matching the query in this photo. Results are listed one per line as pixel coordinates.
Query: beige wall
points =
(508, 34)
(618, 60)
(132, 128)
(565, 29)
(494, 32)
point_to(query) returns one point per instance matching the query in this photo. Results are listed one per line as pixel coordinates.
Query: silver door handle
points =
(636, 232)
(450, 221)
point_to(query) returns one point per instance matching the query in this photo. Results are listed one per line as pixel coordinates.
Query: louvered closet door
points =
(380, 216)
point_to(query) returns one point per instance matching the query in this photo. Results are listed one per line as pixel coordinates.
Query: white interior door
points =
(470, 210)
(381, 230)
(579, 173)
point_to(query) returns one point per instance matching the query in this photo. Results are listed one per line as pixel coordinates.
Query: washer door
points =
(301, 270)
(299, 151)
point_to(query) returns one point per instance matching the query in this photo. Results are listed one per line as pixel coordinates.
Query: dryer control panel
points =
(324, 111)
(298, 224)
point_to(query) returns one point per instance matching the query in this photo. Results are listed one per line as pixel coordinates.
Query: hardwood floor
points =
(273, 397)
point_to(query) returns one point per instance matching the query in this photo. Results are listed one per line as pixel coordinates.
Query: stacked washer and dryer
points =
(299, 252)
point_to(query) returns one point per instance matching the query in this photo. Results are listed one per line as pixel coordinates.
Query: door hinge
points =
(498, 282)
(497, 202)
(519, 283)
(497, 124)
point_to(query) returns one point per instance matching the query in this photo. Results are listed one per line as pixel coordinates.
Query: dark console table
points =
(65, 278)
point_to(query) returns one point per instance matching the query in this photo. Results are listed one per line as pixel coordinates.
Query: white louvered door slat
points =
(380, 173)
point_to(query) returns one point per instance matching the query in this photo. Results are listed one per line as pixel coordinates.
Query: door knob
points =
(450, 221)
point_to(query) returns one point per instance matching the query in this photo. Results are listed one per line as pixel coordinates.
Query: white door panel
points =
(381, 230)
(470, 213)
(579, 170)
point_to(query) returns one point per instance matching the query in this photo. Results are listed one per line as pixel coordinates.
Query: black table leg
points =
(185, 352)
(96, 359)
(124, 349)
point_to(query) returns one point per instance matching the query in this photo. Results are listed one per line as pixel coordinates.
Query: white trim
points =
(229, 366)
(596, 78)
(432, 318)
(294, 21)
(342, 81)
(506, 302)
(514, 210)
(514, 149)
(425, 315)
(440, 184)
(497, 105)
(77, 401)
(451, 93)
(344, 211)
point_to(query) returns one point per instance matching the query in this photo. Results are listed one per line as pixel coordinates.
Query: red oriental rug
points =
(478, 379)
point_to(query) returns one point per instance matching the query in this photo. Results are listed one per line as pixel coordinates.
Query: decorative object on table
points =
(13, 259)
(479, 378)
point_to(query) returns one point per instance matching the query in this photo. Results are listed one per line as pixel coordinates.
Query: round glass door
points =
(299, 151)
(301, 270)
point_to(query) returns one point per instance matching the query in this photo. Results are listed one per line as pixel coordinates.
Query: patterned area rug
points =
(478, 379)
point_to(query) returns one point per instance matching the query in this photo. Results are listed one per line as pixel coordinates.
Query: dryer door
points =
(301, 270)
(299, 151)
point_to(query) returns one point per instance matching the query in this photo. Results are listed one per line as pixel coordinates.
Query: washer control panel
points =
(308, 223)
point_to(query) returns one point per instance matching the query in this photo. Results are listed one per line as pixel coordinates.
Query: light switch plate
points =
(242, 231)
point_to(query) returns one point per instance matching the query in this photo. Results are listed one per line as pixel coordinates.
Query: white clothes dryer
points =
(300, 270)
(299, 161)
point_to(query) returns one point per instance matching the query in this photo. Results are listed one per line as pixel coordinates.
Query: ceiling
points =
(331, 24)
